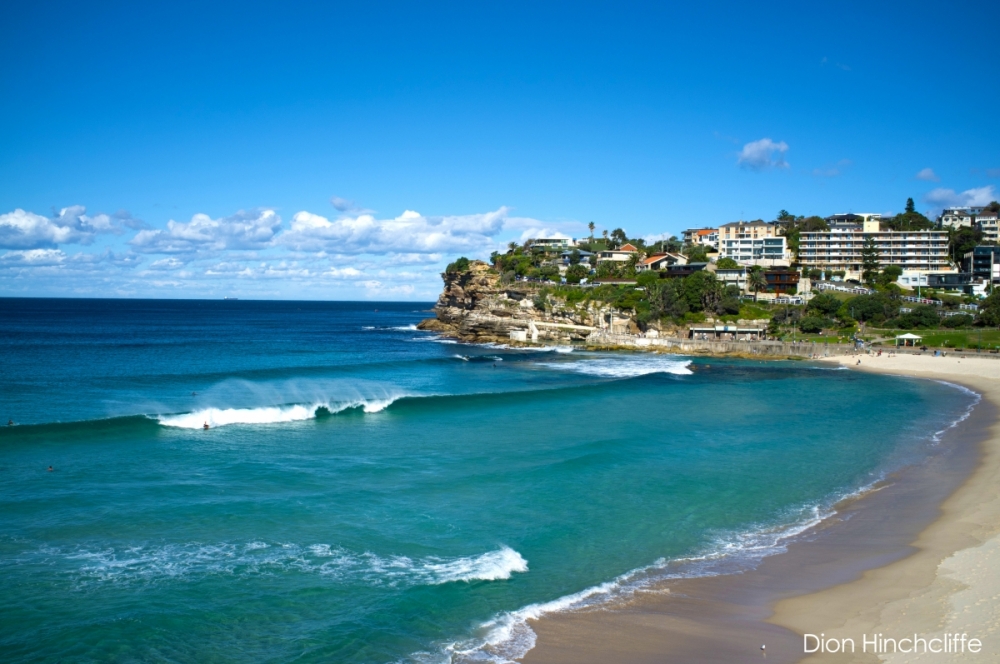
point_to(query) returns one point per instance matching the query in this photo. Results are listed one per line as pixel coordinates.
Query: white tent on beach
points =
(908, 339)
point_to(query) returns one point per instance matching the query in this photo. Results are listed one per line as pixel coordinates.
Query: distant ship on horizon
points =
(230, 298)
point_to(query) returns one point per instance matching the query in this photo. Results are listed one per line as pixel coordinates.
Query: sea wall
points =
(769, 349)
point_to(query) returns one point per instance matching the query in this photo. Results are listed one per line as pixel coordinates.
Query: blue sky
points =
(326, 151)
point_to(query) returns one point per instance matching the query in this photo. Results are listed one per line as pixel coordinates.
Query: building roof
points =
(708, 231)
(628, 247)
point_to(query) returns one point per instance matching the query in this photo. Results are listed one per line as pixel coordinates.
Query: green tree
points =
(989, 310)
(727, 264)
(591, 226)
(909, 205)
(619, 237)
(824, 303)
(870, 260)
(756, 281)
(922, 316)
(576, 273)
(697, 253)
(574, 257)
(666, 299)
(702, 291)
(812, 324)
(961, 241)
(874, 308)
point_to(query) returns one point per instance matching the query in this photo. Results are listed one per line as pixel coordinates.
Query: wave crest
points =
(128, 564)
(624, 366)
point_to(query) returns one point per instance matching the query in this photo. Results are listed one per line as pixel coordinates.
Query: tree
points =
(666, 299)
(673, 244)
(825, 304)
(591, 226)
(812, 324)
(574, 257)
(619, 237)
(784, 215)
(922, 316)
(697, 253)
(702, 291)
(909, 205)
(727, 264)
(961, 241)
(576, 273)
(989, 310)
(870, 259)
(871, 308)
(756, 281)
(604, 234)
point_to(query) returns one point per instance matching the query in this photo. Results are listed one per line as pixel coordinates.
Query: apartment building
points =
(921, 251)
(988, 224)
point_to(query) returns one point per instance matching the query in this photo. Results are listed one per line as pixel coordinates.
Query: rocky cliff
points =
(476, 306)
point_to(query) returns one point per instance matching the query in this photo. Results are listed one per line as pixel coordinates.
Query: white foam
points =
(217, 417)
(461, 357)
(508, 637)
(624, 366)
(150, 563)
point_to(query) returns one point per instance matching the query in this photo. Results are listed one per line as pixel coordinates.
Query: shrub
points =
(961, 320)
(825, 304)
(575, 273)
(460, 265)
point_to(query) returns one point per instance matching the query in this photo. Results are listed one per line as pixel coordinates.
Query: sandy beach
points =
(951, 584)
(916, 557)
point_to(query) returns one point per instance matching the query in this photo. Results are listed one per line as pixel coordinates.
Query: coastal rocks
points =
(476, 307)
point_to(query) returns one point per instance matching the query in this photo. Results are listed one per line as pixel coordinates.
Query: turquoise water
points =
(369, 493)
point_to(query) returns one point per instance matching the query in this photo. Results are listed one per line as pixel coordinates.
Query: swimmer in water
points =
(205, 426)
(50, 469)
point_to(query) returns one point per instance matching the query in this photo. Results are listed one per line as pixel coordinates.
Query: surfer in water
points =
(10, 422)
(205, 426)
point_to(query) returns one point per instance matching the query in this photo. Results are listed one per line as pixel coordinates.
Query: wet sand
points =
(886, 563)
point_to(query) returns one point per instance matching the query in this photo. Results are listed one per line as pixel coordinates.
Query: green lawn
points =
(950, 338)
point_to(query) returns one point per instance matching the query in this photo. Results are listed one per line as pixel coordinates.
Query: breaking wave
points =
(217, 417)
(287, 401)
(130, 564)
(626, 366)
(508, 636)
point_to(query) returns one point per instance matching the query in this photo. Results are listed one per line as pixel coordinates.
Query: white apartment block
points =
(914, 251)
(989, 225)
(755, 251)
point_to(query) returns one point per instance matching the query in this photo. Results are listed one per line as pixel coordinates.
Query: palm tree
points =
(511, 246)
(756, 281)
(591, 226)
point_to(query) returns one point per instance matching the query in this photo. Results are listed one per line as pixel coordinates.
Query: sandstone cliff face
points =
(475, 306)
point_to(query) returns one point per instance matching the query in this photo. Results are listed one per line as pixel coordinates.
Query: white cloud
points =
(763, 154)
(410, 233)
(928, 175)
(26, 230)
(943, 198)
(33, 258)
(243, 230)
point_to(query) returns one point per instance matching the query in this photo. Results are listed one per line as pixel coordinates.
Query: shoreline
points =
(946, 586)
(882, 564)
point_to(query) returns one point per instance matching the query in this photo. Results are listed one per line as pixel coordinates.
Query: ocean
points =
(367, 492)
